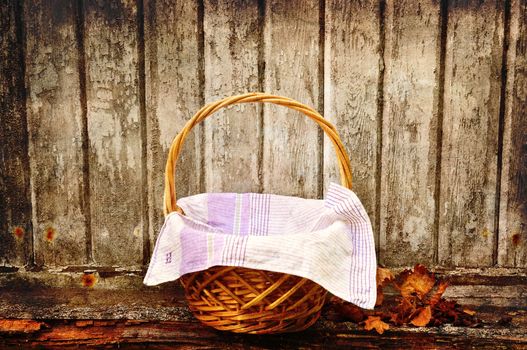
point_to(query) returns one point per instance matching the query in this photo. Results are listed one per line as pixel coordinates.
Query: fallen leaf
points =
(376, 322)
(419, 281)
(423, 318)
(383, 276)
(420, 303)
(438, 294)
(470, 312)
(448, 311)
(380, 296)
(404, 311)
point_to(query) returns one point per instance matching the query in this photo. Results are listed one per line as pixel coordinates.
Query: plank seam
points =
(501, 127)
(443, 23)
(81, 66)
(321, 87)
(21, 43)
(142, 115)
(380, 111)
(151, 78)
(261, 87)
(201, 87)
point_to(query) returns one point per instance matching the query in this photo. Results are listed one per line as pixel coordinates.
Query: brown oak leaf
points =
(423, 317)
(419, 281)
(420, 303)
(375, 322)
(380, 297)
(438, 293)
(404, 311)
(384, 276)
(469, 312)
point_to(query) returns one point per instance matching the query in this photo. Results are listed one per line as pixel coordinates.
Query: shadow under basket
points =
(252, 301)
(244, 300)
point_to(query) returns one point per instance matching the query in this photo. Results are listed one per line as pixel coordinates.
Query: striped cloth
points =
(327, 241)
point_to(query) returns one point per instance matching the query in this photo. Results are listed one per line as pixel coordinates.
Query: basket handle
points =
(170, 189)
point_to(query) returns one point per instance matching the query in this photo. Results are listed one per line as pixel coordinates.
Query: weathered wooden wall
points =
(430, 98)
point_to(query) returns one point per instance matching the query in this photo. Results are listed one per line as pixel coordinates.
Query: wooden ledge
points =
(190, 334)
(54, 308)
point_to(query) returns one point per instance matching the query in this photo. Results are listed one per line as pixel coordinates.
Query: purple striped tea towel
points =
(328, 241)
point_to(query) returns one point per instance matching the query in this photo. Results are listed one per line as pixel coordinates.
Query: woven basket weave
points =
(245, 300)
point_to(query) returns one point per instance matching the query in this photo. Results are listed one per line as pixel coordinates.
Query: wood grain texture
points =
(114, 131)
(409, 139)
(292, 147)
(185, 335)
(232, 136)
(470, 133)
(208, 49)
(15, 198)
(55, 133)
(172, 97)
(351, 92)
(512, 242)
(110, 313)
(120, 293)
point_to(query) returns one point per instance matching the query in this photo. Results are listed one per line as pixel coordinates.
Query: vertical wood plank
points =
(232, 137)
(15, 200)
(351, 92)
(172, 95)
(55, 132)
(114, 131)
(292, 147)
(470, 132)
(512, 242)
(409, 132)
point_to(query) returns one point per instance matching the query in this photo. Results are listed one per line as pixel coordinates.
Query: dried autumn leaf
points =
(383, 276)
(447, 311)
(380, 297)
(375, 322)
(404, 311)
(419, 281)
(469, 312)
(420, 303)
(438, 294)
(423, 317)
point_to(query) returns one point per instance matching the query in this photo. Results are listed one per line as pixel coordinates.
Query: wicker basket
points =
(245, 300)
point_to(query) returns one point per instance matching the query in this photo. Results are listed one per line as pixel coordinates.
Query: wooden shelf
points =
(51, 308)
(189, 334)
